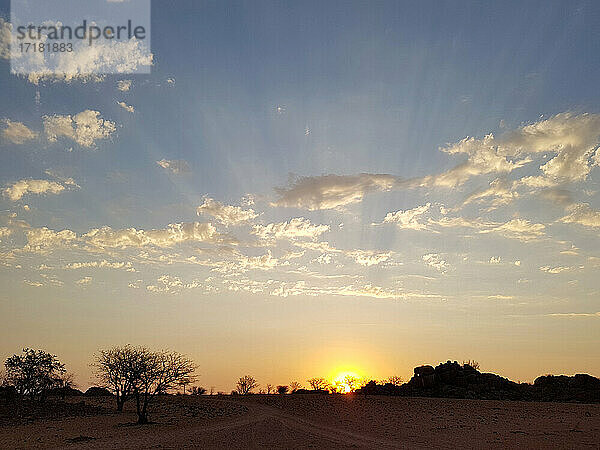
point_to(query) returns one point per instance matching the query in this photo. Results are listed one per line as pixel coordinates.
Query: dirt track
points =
(322, 422)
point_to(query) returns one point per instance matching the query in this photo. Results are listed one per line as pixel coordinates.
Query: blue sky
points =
(327, 139)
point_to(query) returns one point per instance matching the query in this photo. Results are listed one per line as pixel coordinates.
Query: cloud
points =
(332, 191)
(124, 85)
(175, 233)
(85, 62)
(17, 190)
(502, 192)
(572, 137)
(85, 128)
(295, 228)
(555, 270)
(582, 214)
(484, 156)
(226, 214)
(407, 219)
(435, 260)
(368, 257)
(84, 281)
(40, 240)
(520, 229)
(126, 107)
(175, 166)
(570, 315)
(17, 132)
(127, 266)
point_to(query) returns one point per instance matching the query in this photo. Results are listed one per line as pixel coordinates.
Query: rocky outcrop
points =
(454, 380)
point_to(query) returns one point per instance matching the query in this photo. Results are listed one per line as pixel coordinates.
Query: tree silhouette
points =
(33, 373)
(318, 383)
(294, 386)
(245, 385)
(141, 373)
(351, 382)
(270, 388)
(282, 389)
(156, 373)
(113, 370)
(395, 380)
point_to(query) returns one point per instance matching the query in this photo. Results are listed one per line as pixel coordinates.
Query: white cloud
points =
(368, 257)
(175, 166)
(17, 132)
(435, 260)
(85, 62)
(127, 266)
(295, 228)
(17, 190)
(84, 281)
(582, 214)
(555, 270)
(126, 107)
(175, 233)
(570, 315)
(520, 229)
(124, 85)
(43, 239)
(408, 219)
(226, 214)
(332, 191)
(85, 128)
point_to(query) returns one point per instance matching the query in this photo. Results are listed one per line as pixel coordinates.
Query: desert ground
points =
(301, 421)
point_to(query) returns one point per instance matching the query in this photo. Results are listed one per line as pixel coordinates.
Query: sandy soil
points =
(301, 421)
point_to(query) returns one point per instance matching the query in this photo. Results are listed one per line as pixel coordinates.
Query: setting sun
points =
(346, 381)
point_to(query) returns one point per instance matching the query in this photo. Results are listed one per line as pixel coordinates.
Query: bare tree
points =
(270, 388)
(294, 386)
(318, 383)
(198, 390)
(245, 385)
(64, 383)
(395, 380)
(113, 370)
(282, 389)
(212, 390)
(33, 372)
(154, 373)
(351, 382)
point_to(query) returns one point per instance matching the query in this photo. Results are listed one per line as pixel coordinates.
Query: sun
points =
(346, 381)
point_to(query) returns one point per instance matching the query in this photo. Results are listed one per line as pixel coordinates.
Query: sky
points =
(301, 189)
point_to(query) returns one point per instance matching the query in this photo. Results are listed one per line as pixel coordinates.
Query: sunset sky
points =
(300, 189)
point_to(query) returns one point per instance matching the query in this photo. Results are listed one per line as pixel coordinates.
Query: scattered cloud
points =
(17, 190)
(332, 191)
(226, 214)
(124, 85)
(555, 270)
(295, 228)
(175, 166)
(572, 315)
(17, 132)
(126, 107)
(408, 219)
(520, 229)
(175, 233)
(435, 260)
(84, 281)
(582, 214)
(85, 128)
